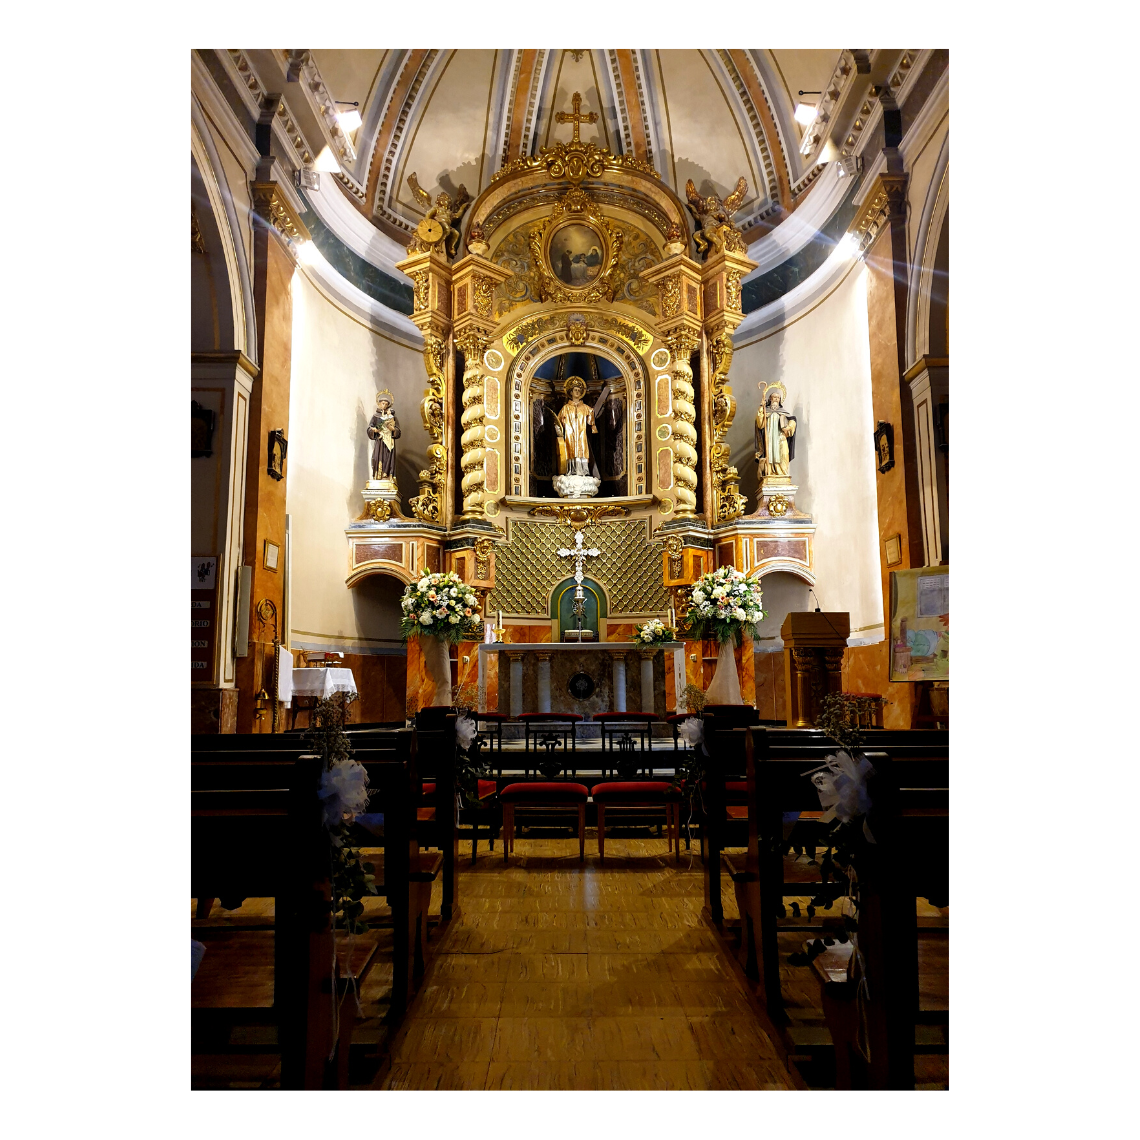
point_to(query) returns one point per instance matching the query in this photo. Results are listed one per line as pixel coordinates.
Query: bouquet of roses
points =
(724, 606)
(440, 605)
(654, 631)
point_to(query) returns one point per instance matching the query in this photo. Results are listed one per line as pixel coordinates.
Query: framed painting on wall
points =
(920, 624)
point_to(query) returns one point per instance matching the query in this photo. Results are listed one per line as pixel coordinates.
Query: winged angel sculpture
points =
(441, 221)
(714, 217)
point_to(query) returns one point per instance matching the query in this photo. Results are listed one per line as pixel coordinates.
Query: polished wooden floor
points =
(563, 975)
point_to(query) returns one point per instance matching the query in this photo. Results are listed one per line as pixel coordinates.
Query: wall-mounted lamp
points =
(348, 120)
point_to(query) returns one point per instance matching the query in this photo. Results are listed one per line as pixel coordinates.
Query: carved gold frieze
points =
(574, 162)
(728, 503)
(518, 337)
(273, 207)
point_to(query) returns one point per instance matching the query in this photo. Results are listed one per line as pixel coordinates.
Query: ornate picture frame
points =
(278, 447)
(884, 446)
(576, 241)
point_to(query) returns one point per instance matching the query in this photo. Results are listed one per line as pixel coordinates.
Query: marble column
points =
(647, 656)
(516, 683)
(543, 681)
(619, 682)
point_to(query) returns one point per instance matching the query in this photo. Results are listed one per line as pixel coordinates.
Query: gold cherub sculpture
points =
(714, 217)
(441, 222)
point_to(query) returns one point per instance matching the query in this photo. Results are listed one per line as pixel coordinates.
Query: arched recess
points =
(561, 604)
(930, 281)
(368, 569)
(615, 349)
(212, 308)
(376, 602)
(206, 160)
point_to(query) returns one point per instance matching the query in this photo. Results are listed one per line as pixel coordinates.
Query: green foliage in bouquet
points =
(724, 605)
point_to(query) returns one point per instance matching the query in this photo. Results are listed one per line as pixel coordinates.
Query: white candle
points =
(672, 618)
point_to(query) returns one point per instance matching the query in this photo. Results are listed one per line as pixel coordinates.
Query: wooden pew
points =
(724, 746)
(776, 776)
(437, 825)
(265, 838)
(404, 875)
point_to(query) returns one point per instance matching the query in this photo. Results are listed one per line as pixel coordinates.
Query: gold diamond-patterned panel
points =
(528, 567)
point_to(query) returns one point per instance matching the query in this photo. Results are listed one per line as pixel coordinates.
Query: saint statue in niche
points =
(775, 435)
(384, 428)
(574, 420)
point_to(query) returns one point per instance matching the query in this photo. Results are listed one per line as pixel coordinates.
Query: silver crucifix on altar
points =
(579, 552)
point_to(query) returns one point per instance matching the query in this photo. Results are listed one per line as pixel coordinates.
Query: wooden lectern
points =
(813, 661)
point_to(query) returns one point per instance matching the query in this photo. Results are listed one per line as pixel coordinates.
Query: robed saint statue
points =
(384, 430)
(571, 427)
(775, 436)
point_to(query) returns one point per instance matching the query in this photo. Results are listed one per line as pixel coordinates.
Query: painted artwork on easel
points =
(920, 624)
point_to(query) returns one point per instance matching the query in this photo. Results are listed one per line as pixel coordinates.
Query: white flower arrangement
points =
(440, 605)
(725, 605)
(653, 632)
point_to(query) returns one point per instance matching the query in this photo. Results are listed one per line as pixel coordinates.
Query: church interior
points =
(570, 569)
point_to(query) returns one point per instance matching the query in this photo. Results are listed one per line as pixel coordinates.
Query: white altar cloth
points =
(322, 682)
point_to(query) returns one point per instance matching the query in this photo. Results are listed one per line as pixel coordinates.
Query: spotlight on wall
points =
(348, 120)
(805, 113)
(849, 165)
(326, 161)
(847, 246)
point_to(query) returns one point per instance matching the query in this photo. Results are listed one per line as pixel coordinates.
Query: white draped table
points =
(322, 683)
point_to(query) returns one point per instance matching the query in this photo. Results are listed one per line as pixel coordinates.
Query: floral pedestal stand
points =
(724, 689)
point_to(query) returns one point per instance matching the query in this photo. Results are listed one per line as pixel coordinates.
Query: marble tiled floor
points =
(564, 975)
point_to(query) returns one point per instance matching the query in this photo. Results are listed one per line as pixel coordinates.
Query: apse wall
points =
(338, 366)
(822, 358)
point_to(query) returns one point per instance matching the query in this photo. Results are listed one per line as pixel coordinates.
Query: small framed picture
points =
(271, 556)
(884, 446)
(278, 447)
(894, 550)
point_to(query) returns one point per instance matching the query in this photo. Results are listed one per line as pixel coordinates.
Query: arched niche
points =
(212, 305)
(562, 606)
(376, 603)
(612, 345)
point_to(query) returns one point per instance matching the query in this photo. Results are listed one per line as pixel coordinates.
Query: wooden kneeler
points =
(539, 794)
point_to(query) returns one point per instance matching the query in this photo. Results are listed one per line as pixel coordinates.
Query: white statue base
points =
(576, 486)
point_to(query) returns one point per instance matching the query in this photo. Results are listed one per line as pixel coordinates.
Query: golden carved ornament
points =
(577, 330)
(576, 516)
(426, 505)
(421, 286)
(732, 290)
(441, 222)
(675, 548)
(575, 160)
(271, 206)
(714, 219)
(484, 292)
(379, 510)
(778, 506)
(670, 295)
(483, 548)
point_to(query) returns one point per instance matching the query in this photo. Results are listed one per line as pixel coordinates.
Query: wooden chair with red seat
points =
(557, 795)
(638, 794)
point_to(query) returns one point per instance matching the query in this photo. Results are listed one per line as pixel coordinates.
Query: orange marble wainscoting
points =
(620, 631)
(491, 685)
(866, 669)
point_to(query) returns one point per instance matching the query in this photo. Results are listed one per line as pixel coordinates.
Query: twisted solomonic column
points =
(681, 345)
(472, 343)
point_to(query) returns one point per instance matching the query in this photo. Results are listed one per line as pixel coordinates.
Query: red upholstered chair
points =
(659, 794)
(467, 813)
(560, 795)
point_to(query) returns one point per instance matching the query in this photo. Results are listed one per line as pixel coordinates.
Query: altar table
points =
(322, 683)
(540, 670)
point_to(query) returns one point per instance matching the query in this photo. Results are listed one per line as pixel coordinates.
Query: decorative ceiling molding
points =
(312, 85)
(411, 82)
(750, 90)
(626, 76)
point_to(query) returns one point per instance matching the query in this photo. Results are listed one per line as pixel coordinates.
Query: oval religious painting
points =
(576, 254)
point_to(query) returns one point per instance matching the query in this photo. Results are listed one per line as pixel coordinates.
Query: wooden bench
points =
(403, 874)
(778, 787)
(264, 838)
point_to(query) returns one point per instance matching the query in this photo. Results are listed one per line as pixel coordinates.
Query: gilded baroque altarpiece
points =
(576, 249)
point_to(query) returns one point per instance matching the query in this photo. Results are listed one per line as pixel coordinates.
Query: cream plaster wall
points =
(571, 76)
(823, 359)
(338, 366)
(451, 131)
(705, 140)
